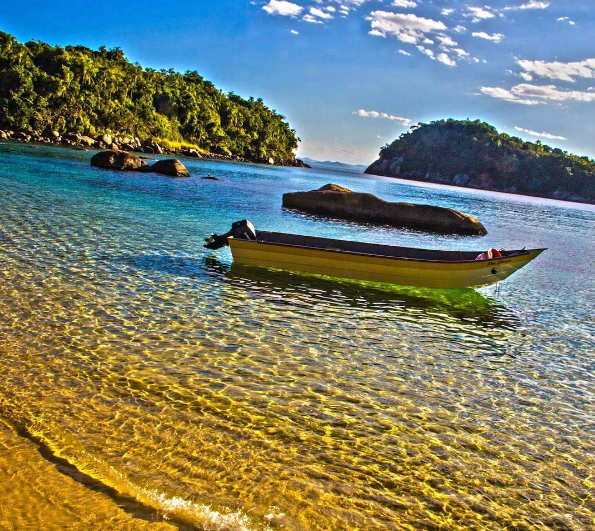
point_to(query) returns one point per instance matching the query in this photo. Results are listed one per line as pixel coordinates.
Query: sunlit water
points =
(145, 383)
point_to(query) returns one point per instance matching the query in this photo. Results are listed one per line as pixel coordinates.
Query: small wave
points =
(144, 503)
(205, 516)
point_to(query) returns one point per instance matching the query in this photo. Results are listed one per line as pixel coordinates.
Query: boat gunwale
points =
(518, 252)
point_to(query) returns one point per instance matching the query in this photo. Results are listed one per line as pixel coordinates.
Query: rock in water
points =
(117, 160)
(172, 167)
(336, 201)
(121, 160)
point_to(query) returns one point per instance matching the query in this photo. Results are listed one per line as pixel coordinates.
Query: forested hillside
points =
(74, 89)
(473, 154)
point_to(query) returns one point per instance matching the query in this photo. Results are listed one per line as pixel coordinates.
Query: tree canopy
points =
(44, 87)
(473, 153)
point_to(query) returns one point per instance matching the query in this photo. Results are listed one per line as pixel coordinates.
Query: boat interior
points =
(389, 251)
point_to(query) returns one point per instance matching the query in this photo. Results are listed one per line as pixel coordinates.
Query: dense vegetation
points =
(76, 89)
(473, 153)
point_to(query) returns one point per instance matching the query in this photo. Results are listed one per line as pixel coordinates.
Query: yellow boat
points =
(404, 266)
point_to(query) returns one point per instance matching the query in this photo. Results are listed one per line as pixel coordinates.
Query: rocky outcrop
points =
(117, 160)
(129, 143)
(150, 146)
(122, 161)
(78, 139)
(171, 167)
(22, 136)
(106, 139)
(336, 201)
(392, 168)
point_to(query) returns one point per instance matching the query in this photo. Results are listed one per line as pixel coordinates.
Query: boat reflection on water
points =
(467, 305)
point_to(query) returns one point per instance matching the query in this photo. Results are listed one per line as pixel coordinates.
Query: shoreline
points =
(579, 201)
(78, 141)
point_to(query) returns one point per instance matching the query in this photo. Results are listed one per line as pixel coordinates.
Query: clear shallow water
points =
(146, 383)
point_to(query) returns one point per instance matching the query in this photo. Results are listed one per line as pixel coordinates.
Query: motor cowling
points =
(241, 230)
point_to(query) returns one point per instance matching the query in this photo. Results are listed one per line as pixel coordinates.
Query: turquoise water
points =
(146, 382)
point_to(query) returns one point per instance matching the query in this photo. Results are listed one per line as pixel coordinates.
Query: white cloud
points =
(446, 12)
(443, 58)
(549, 136)
(404, 52)
(532, 4)
(559, 70)
(446, 40)
(375, 114)
(283, 8)
(407, 28)
(347, 5)
(461, 53)
(552, 93)
(527, 94)
(566, 19)
(426, 51)
(504, 94)
(404, 3)
(294, 32)
(495, 37)
(311, 19)
(315, 12)
(477, 14)
(526, 77)
(460, 29)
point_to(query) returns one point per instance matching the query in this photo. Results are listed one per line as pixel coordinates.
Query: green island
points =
(474, 154)
(75, 95)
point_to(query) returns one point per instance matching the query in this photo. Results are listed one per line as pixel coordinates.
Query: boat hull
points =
(399, 271)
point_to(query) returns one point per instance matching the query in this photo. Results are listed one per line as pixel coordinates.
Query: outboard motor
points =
(241, 230)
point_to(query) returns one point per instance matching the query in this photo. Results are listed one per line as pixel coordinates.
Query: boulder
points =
(171, 167)
(71, 137)
(86, 141)
(3, 135)
(117, 160)
(106, 139)
(336, 201)
(22, 136)
(149, 146)
(54, 134)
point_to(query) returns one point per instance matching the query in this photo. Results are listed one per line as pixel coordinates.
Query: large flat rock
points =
(336, 201)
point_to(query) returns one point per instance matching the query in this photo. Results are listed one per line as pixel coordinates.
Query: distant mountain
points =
(333, 165)
(473, 154)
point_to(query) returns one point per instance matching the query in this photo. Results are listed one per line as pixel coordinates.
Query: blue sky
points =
(351, 75)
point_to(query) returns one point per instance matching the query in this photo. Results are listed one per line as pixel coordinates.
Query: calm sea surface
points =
(146, 383)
